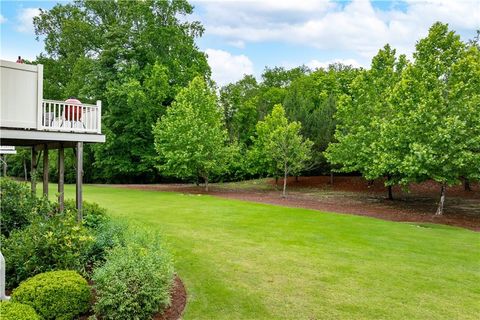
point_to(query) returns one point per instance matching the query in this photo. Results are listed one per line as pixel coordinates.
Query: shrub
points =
(19, 206)
(135, 280)
(17, 311)
(53, 244)
(107, 236)
(55, 294)
(94, 216)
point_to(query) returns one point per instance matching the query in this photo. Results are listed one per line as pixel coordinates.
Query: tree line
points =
(402, 121)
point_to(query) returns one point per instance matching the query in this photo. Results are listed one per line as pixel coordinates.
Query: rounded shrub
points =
(135, 280)
(58, 295)
(17, 311)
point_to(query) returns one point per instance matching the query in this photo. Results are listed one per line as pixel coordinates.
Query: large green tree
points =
(191, 138)
(280, 145)
(361, 116)
(435, 132)
(134, 56)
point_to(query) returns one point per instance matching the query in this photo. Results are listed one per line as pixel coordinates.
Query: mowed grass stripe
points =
(243, 260)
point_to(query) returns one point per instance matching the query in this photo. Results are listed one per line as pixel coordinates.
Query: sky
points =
(245, 36)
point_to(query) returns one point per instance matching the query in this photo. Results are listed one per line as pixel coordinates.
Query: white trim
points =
(12, 134)
(39, 95)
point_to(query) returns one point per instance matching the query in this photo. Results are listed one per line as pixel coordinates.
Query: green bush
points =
(107, 236)
(55, 294)
(94, 216)
(17, 311)
(53, 244)
(19, 206)
(135, 280)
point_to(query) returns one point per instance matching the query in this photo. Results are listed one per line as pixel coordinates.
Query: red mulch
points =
(353, 195)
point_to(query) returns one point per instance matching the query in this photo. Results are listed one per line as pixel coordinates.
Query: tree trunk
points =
(206, 184)
(442, 201)
(296, 178)
(284, 195)
(276, 180)
(466, 184)
(390, 193)
(331, 178)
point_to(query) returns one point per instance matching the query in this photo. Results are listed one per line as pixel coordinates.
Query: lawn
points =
(242, 260)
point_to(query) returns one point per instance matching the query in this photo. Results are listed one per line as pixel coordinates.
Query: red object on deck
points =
(73, 113)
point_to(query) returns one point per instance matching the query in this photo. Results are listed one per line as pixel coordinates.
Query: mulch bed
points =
(353, 195)
(178, 302)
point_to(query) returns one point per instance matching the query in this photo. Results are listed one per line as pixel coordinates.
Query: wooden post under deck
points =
(45, 171)
(33, 172)
(79, 180)
(61, 177)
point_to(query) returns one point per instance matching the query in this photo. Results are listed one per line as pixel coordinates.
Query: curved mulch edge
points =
(178, 302)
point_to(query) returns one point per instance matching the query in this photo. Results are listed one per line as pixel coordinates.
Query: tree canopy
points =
(190, 138)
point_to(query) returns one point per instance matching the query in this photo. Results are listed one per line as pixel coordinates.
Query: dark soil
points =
(354, 195)
(178, 302)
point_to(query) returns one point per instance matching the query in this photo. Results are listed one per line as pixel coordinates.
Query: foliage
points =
(132, 55)
(136, 278)
(312, 100)
(17, 311)
(191, 139)
(107, 236)
(238, 101)
(435, 131)
(55, 294)
(93, 216)
(19, 206)
(46, 244)
(280, 144)
(362, 115)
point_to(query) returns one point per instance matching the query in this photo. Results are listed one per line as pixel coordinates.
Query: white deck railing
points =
(70, 117)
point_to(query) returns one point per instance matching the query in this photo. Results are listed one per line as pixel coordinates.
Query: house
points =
(27, 119)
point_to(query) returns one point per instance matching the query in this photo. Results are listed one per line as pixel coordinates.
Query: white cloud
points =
(227, 68)
(25, 19)
(356, 26)
(2, 19)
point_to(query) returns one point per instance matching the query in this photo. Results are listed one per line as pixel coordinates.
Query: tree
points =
(361, 116)
(312, 99)
(134, 56)
(280, 145)
(435, 132)
(191, 139)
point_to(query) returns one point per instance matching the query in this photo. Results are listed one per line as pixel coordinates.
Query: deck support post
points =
(79, 180)
(33, 172)
(61, 178)
(45, 170)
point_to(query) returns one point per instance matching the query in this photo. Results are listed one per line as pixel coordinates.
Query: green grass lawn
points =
(242, 260)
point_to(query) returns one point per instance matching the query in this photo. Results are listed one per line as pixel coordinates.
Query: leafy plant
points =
(93, 215)
(17, 311)
(191, 138)
(52, 244)
(19, 206)
(135, 280)
(55, 294)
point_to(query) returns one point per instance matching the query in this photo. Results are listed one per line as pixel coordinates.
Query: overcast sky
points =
(242, 37)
